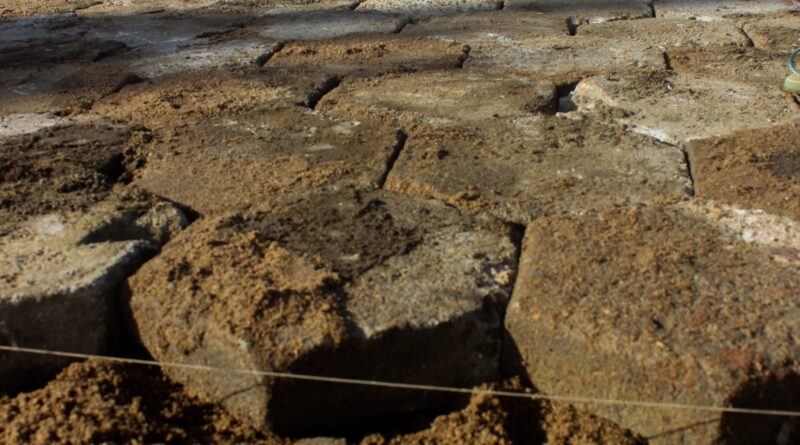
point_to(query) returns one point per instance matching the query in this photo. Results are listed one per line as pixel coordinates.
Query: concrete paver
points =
(491, 26)
(775, 32)
(709, 10)
(679, 108)
(60, 277)
(318, 25)
(440, 96)
(746, 65)
(369, 56)
(751, 170)
(384, 279)
(526, 170)
(670, 32)
(426, 8)
(587, 11)
(565, 59)
(657, 304)
(263, 158)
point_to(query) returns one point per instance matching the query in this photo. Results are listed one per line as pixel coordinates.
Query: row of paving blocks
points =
(379, 236)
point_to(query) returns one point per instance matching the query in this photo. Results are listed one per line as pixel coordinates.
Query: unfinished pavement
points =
(578, 198)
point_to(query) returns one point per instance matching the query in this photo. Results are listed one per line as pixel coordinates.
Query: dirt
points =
(757, 169)
(64, 168)
(93, 403)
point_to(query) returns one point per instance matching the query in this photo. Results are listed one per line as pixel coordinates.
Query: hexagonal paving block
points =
(660, 305)
(371, 286)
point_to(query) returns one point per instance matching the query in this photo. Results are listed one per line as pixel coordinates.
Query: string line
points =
(409, 386)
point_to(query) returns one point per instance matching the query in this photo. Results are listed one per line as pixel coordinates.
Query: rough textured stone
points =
(277, 7)
(538, 166)
(708, 10)
(197, 57)
(186, 99)
(368, 56)
(427, 8)
(564, 59)
(666, 33)
(586, 11)
(444, 96)
(244, 160)
(59, 281)
(62, 88)
(112, 8)
(494, 26)
(679, 108)
(377, 286)
(658, 304)
(53, 164)
(747, 65)
(753, 170)
(319, 25)
(21, 8)
(774, 32)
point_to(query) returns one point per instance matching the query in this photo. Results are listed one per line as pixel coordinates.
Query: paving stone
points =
(427, 8)
(753, 170)
(679, 108)
(137, 7)
(537, 166)
(747, 65)
(235, 162)
(21, 8)
(775, 32)
(277, 7)
(586, 11)
(196, 57)
(377, 286)
(60, 275)
(664, 33)
(708, 10)
(318, 25)
(566, 59)
(191, 98)
(658, 304)
(368, 56)
(443, 96)
(491, 26)
(52, 164)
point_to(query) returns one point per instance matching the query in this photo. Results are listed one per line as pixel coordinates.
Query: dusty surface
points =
(332, 275)
(677, 109)
(664, 307)
(759, 169)
(357, 178)
(369, 56)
